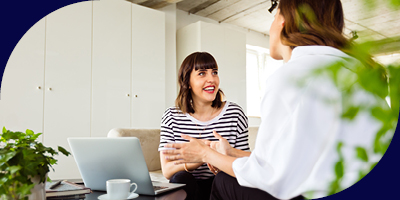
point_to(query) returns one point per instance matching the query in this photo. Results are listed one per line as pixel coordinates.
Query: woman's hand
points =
(193, 151)
(222, 146)
(213, 169)
(196, 151)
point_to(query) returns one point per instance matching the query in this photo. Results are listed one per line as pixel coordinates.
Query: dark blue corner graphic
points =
(17, 17)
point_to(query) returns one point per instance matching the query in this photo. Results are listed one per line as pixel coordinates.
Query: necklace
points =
(206, 124)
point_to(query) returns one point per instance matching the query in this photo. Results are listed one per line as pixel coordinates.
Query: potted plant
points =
(23, 159)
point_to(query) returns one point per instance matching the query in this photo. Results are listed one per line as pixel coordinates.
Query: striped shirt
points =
(231, 123)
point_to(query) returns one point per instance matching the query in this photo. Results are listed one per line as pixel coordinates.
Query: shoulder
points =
(171, 113)
(173, 110)
(234, 108)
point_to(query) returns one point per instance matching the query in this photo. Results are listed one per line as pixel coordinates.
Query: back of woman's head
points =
(319, 22)
(313, 22)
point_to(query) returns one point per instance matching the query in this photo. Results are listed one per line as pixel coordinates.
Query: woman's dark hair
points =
(319, 22)
(195, 61)
(313, 22)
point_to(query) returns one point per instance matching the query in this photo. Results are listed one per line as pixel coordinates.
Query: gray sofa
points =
(150, 139)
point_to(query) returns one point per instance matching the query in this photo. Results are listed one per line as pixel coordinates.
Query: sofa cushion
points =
(252, 137)
(149, 141)
(158, 176)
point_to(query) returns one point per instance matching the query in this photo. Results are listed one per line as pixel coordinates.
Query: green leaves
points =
(63, 151)
(23, 157)
(5, 156)
(395, 4)
(362, 154)
(29, 132)
(339, 169)
(372, 81)
(394, 88)
(351, 112)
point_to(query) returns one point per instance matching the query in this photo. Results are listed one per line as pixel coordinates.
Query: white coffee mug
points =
(119, 188)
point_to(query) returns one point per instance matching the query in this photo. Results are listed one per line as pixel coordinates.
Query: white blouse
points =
(295, 150)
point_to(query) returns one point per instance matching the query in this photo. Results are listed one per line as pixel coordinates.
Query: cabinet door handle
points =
(127, 95)
(135, 95)
(50, 88)
(38, 87)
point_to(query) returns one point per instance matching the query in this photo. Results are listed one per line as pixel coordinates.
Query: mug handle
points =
(133, 189)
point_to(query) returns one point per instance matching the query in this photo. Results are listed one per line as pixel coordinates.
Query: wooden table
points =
(177, 194)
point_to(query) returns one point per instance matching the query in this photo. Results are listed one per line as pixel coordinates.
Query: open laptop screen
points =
(101, 159)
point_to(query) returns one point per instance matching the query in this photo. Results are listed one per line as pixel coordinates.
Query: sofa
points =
(149, 141)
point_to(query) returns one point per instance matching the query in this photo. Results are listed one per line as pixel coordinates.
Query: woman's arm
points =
(169, 168)
(240, 145)
(167, 136)
(222, 146)
(196, 151)
(222, 162)
(239, 153)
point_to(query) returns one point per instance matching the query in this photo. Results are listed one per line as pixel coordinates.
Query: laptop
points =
(102, 159)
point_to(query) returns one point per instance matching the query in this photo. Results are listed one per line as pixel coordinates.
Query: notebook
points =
(65, 188)
(102, 159)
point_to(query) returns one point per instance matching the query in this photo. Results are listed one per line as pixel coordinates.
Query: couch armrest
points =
(252, 137)
(149, 141)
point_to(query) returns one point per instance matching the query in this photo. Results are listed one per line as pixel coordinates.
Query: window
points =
(259, 66)
(393, 58)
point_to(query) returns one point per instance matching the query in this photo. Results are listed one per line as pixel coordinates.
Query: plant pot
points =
(39, 191)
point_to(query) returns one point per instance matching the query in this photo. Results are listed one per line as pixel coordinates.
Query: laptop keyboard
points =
(158, 188)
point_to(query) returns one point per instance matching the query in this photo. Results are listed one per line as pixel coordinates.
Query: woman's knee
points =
(221, 178)
(181, 176)
(188, 179)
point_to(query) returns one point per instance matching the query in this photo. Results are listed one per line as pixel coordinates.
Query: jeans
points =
(196, 189)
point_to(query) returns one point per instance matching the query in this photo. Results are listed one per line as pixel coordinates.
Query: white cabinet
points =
(23, 83)
(227, 46)
(111, 68)
(83, 70)
(148, 67)
(68, 80)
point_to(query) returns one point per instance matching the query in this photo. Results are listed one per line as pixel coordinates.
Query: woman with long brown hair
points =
(295, 151)
(199, 110)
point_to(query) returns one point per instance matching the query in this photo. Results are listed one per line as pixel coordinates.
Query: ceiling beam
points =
(202, 6)
(155, 4)
(385, 46)
(137, 1)
(244, 10)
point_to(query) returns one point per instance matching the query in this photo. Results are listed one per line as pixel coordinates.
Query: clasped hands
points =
(196, 150)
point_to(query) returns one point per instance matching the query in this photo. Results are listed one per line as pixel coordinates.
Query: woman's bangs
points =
(205, 61)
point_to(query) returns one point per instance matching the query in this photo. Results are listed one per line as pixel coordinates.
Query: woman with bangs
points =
(199, 111)
(296, 145)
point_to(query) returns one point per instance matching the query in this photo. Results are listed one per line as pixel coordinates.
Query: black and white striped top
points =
(231, 123)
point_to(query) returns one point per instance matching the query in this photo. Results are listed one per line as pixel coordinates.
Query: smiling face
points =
(198, 83)
(204, 85)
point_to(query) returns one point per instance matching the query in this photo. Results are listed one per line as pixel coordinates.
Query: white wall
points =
(229, 50)
(252, 38)
(171, 86)
(177, 19)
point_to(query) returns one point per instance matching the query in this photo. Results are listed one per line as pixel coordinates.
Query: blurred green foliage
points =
(381, 82)
(21, 159)
(373, 81)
